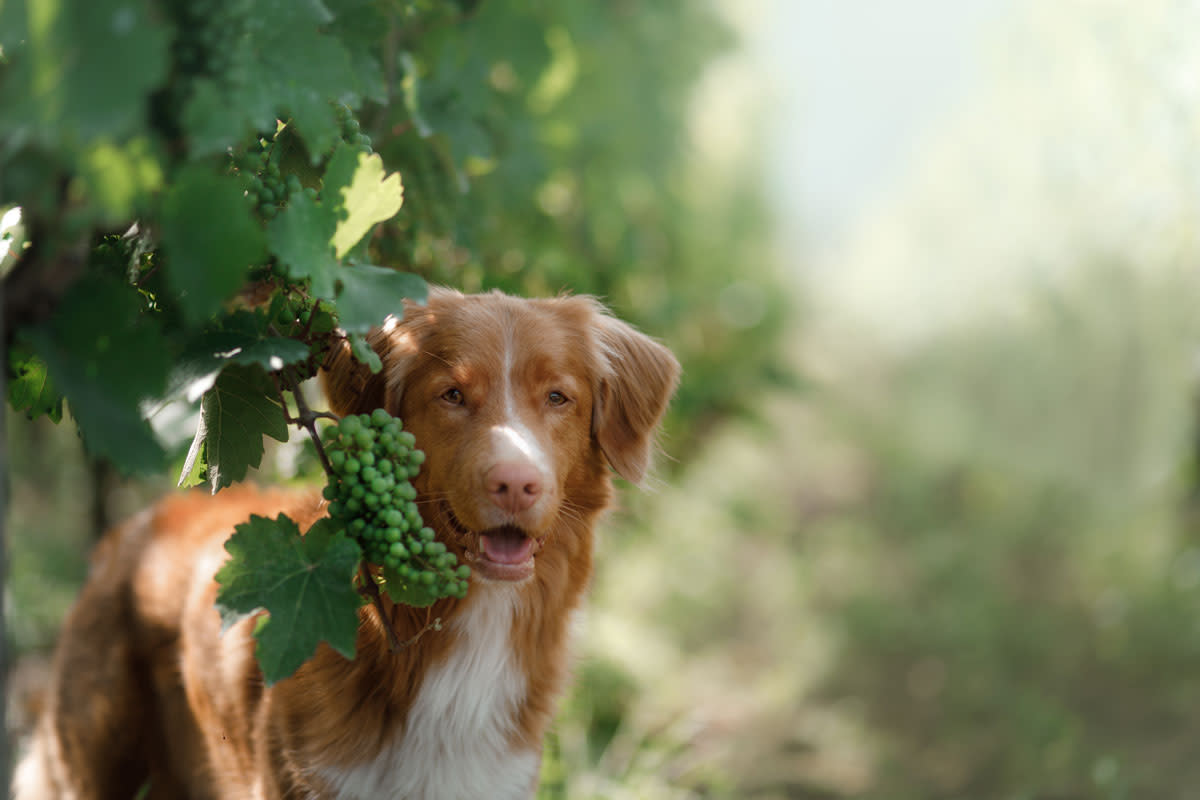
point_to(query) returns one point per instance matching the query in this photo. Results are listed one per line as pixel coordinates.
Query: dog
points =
(522, 406)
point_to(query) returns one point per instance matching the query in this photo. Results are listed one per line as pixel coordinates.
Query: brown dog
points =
(520, 406)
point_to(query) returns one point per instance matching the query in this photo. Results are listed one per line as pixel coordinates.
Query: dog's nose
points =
(514, 486)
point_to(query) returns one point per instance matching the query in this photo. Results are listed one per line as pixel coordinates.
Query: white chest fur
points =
(456, 742)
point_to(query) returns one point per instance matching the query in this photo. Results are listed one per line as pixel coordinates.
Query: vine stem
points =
(371, 590)
(305, 417)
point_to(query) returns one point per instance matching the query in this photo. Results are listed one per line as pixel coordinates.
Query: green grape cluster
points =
(302, 316)
(296, 315)
(267, 188)
(352, 132)
(370, 492)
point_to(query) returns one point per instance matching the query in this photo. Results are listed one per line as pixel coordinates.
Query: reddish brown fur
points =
(145, 685)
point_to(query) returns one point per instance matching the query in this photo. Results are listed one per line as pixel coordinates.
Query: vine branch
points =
(371, 589)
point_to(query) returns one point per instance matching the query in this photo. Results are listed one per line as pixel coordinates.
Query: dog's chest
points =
(457, 740)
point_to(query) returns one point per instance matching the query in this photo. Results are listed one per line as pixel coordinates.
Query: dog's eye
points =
(453, 396)
(556, 399)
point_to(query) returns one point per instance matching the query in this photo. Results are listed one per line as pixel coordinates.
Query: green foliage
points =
(368, 292)
(78, 72)
(216, 193)
(106, 356)
(1019, 620)
(507, 124)
(301, 238)
(361, 188)
(205, 270)
(235, 414)
(29, 386)
(303, 582)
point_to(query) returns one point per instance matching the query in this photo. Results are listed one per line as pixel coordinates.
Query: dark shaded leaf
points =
(240, 338)
(211, 239)
(235, 414)
(370, 293)
(287, 66)
(301, 238)
(106, 357)
(79, 71)
(305, 584)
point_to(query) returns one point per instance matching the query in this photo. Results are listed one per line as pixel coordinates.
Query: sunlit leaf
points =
(119, 179)
(29, 387)
(356, 184)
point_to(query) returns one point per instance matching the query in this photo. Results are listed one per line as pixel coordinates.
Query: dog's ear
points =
(638, 377)
(349, 385)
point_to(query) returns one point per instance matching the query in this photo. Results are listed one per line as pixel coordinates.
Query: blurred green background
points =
(928, 524)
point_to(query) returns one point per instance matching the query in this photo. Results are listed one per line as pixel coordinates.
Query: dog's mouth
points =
(505, 553)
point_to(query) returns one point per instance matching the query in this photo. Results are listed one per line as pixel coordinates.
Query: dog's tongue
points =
(506, 546)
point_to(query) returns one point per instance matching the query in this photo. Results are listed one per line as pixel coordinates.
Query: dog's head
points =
(520, 406)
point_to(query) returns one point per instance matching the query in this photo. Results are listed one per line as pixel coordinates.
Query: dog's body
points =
(520, 406)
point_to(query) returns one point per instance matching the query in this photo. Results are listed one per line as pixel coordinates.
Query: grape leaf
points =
(357, 24)
(305, 584)
(362, 350)
(355, 184)
(106, 357)
(235, 414)
(195, 466)
(210, 237)
(239, 338)
(300, 236)
(370, 293)
(287, 65)
(79, 72)
(29, 387)
(271, 352)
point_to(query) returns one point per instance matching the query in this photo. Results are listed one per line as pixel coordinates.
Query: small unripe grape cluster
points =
(301, 317)
(373, 460)
(352, 132)
(267, 189)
